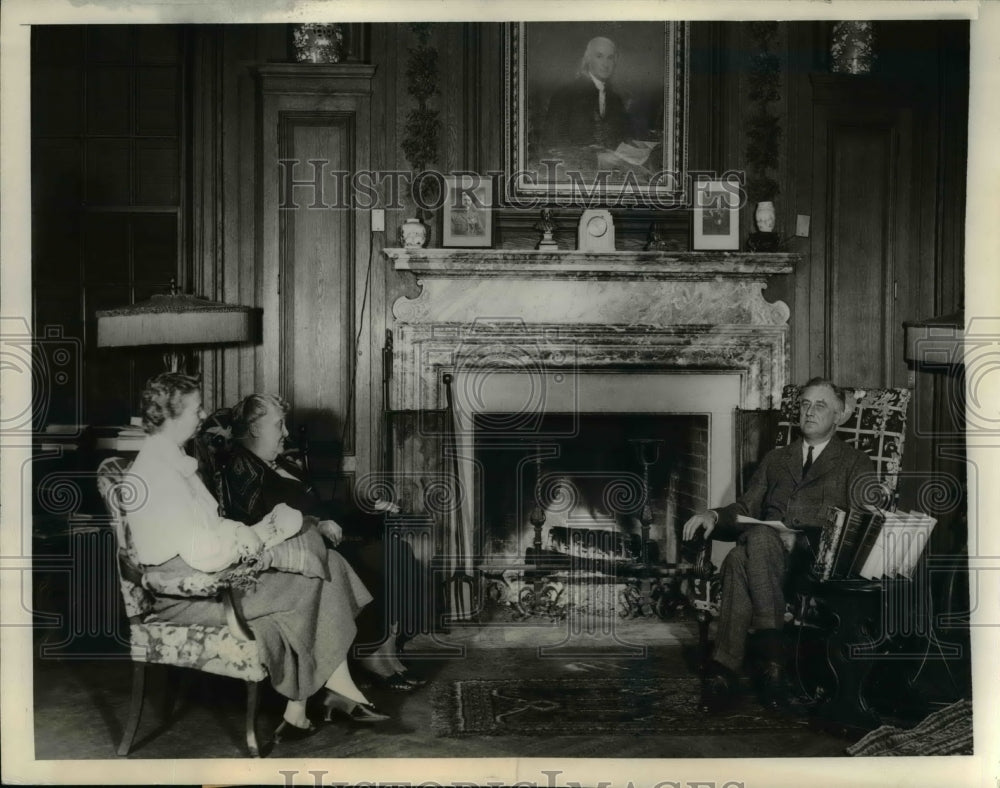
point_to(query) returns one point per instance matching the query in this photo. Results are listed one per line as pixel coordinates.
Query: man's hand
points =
(332, 531)
(788, 540)
(706, 520)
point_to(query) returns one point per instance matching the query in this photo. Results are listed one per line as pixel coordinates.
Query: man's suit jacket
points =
(778, 491)
(574, 117)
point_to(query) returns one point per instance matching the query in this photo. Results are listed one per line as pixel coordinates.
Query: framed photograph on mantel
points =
(596, 113)
(715, 216)
(467, 219)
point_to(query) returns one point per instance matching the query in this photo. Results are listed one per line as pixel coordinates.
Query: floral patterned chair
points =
(228, 650)
(876, 426)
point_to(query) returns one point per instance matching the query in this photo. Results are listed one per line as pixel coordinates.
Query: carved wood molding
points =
(324, 79)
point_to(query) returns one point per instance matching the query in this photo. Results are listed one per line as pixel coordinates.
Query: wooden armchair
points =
(228, 650)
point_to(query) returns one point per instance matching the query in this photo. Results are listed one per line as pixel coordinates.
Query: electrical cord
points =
(349, 411)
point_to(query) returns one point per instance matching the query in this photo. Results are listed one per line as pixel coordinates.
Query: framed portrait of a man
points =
(596, 112)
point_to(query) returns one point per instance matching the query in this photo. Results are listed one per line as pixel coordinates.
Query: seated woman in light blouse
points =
(303, 625)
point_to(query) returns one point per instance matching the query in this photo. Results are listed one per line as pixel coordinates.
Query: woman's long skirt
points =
(304, 626)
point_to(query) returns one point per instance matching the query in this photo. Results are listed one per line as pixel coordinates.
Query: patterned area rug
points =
(945, 732)
(567, 707)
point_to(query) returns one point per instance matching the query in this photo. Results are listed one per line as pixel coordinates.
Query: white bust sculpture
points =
(765, 217)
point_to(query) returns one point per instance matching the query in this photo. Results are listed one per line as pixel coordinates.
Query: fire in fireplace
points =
(581, 487)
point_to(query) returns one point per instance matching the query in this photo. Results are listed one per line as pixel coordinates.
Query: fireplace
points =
(589, 480)
(562, 367)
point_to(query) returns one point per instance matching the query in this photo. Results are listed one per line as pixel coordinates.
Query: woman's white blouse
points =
(175, 514)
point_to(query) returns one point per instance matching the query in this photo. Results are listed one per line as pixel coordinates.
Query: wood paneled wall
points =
(155, 169)
(895, 170)
(109, 152)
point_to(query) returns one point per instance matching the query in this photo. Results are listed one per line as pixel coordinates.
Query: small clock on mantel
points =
(596, 231)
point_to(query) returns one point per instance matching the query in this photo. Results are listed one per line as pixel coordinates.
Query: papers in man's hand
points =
(777, 525)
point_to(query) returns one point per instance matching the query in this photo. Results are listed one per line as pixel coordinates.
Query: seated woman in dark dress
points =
(257, 477)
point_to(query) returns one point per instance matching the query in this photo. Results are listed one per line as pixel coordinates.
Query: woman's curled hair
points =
(161, 399)
(252, 408)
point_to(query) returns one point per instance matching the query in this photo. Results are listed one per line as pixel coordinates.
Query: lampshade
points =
(174, 320)
(937, 341)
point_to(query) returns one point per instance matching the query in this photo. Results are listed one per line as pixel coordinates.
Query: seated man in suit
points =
(794, 484)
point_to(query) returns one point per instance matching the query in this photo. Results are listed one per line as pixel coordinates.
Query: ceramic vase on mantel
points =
(764, 216)
(414, 233)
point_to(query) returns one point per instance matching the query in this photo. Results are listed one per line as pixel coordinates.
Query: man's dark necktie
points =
(809, 461)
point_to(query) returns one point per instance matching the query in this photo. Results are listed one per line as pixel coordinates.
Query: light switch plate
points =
(378, 220)
(802, 226)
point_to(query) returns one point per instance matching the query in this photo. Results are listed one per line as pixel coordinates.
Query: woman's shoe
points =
(360, 712)
(367, 713)
(288, 732)
(335, 703)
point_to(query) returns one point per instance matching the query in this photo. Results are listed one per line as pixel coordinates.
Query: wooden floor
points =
(81, 705)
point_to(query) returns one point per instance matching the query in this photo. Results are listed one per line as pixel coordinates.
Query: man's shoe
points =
(773, 686)
(413, 679)
(717, 690)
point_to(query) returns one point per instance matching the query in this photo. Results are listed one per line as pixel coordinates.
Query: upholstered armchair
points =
(228, 650)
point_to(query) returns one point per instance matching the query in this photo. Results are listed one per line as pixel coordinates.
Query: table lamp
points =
(174, 320)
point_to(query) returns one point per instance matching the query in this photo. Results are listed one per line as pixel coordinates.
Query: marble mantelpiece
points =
(536, 264)
(649, 311)
(529, 332)
(611, 288)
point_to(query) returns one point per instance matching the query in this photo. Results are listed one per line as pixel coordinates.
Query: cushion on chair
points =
(876, 426)
(177, 578)
(209, 648)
